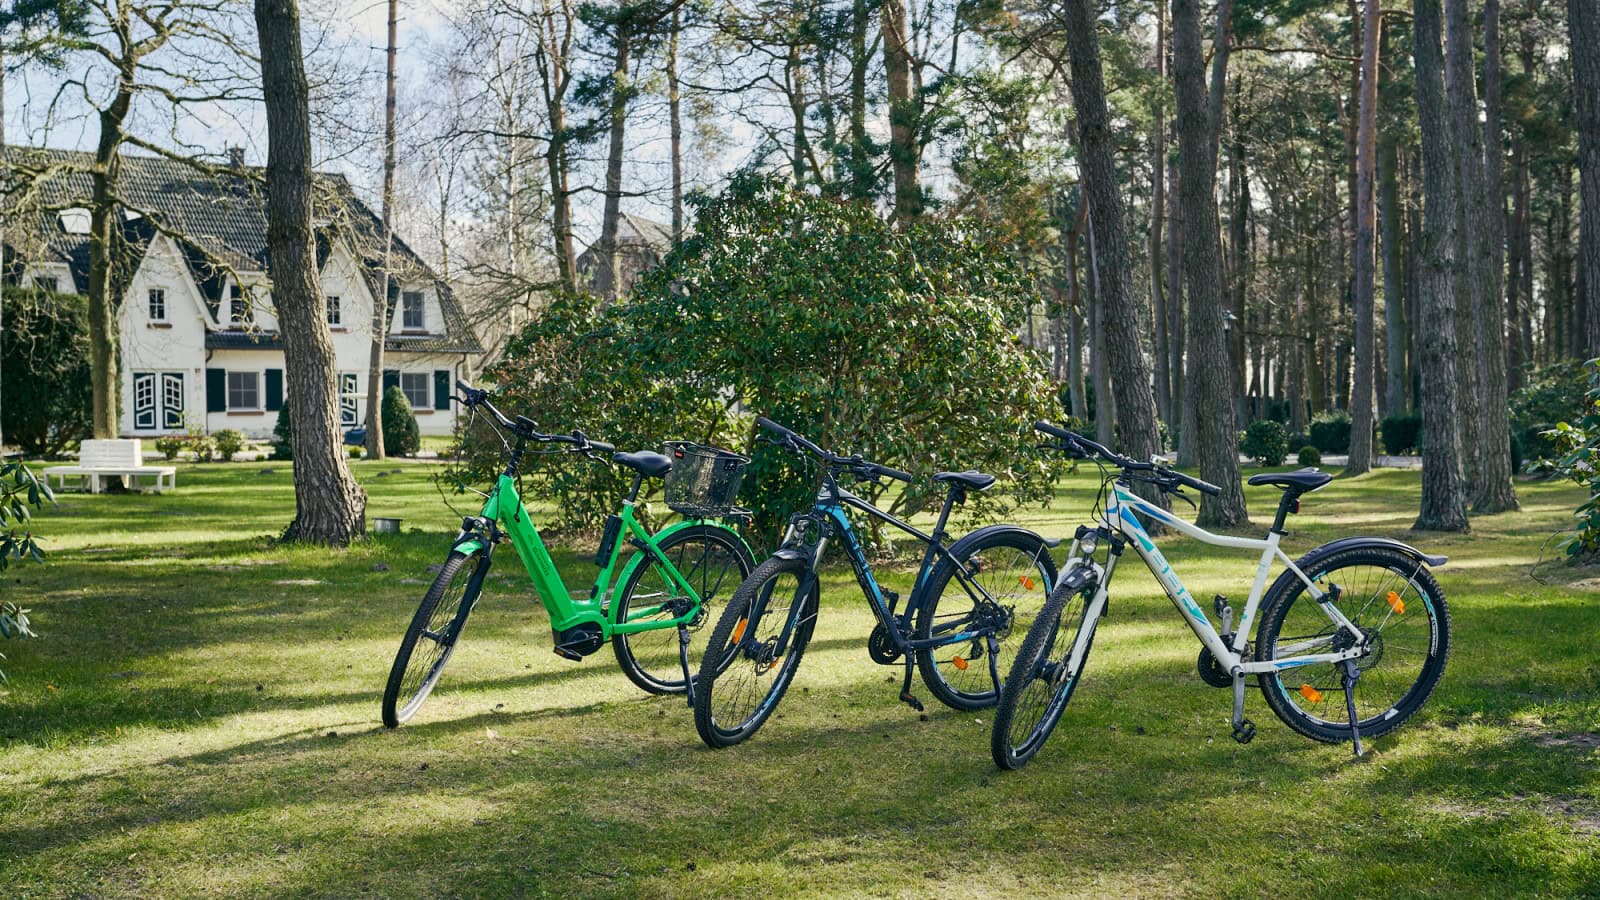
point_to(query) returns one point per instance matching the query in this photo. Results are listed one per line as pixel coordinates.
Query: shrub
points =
(400, 434)
(900, 346)
(1400, 433)
(200, 445)
(1310, 456)
(44, 371)
(355, 452)
(1579, 446)
(170, 445)
(19, 489)
(1553, 394)
(284, 447)
(229, 442)
(1267, 441)
(1330, 432)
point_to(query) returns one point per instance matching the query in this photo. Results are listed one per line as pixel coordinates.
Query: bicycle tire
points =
(734, 648)
(452, 611)
(1416, 586)
(1020, 581)
(1033, 697)
(650, 658)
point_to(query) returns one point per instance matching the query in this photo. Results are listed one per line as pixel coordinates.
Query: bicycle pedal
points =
(1244, 732)
(911, 700)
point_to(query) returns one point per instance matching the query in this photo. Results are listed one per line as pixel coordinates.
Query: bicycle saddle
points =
(1301, 481)
(975, 480)
(652, 465)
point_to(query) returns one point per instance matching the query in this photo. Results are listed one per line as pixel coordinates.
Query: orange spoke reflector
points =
(959, 662)
(1396, 604)
(1026, 582)
(738, 630)
(1310, 693)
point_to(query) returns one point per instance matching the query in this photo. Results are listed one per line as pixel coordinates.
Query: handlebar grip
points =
(1204, 487)
(603, 447)
(461, 385)
(770, 425)
(896, 474)
(1053, 431)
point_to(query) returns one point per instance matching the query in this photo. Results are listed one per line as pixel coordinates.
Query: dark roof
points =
(219, 218)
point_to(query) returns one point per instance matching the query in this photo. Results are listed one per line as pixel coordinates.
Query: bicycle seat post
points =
(633, 492)
(955, 495)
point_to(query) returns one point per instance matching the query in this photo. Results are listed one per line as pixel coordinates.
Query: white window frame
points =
(257, 388)
(426, 380)
(406, 310)
(335, 311)
(159, 401)
(349, 399)
(157, 297)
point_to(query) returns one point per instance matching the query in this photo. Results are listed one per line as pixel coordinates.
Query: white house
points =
(199, 334)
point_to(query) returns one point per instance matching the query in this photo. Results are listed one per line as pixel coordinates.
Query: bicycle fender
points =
(798, 553)
(1382, 543)
(469, 545)
(959, 546)
(638, 559)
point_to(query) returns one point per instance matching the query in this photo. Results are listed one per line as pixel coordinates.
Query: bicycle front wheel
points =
(749, 665)
(1009, 580)
(1400, 608)
(714, 562)
(432, 635)
(1042, 678)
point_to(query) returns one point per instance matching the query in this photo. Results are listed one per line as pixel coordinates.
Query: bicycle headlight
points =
(1089, 543)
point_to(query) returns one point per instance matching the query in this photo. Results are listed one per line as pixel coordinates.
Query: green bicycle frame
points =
(504, 506)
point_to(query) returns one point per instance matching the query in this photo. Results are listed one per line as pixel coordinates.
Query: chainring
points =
(880, 648)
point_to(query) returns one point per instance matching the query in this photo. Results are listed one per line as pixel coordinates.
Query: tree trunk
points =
(1492, 175)
(330, 507)
(1491, 491)
(675, 126)
(1122, 321)
(1394, 302)
(380, 306)
(905, 114)
(104, 243)
(1444, 502)
(1182, 399)
(1364, 386)
(1208, 377)
(1105, 411)
(1158, 214)
(554, 42)
(861, 173)
(1583, 22)
(608, 276)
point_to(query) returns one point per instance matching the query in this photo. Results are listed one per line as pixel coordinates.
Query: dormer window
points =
(412, 315)
(158, 305)
(48, 283)
(75, 220)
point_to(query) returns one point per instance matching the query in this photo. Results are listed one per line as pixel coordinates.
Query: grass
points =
(200, 717)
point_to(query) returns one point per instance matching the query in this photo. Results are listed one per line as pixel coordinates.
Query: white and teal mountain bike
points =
(1352, 637)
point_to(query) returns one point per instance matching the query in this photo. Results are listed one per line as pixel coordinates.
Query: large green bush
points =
(229, 442)
(1578, 442)
(400, 434)
(811, 311)
(1266, 441)
(1330, 432)
(44, 371)
(1553, 394)
(1401, 433)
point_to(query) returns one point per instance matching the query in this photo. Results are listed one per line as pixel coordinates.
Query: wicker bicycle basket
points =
(704, 480)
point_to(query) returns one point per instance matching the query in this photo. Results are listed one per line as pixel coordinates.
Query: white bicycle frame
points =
(1118, 516)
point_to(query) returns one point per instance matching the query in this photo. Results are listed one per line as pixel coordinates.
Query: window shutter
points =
(216, 390)
(441, 388)
(391, 378)
(274, 389)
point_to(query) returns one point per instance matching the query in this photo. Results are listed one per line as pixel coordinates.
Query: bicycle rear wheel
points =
(1041, 681)
(714, 562)
(1014, 569)
(1396, 602)
(432, 636)
(744, 672)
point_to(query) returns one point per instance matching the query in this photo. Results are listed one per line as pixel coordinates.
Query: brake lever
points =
(1178, 492)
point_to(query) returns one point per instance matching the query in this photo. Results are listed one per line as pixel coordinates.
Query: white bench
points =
(123, 458)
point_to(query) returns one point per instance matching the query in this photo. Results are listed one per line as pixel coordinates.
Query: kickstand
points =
(1351, 673)
(906, 696)
(994, 663)
(683, 660)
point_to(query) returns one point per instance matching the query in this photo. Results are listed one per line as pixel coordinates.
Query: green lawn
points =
(200, 717)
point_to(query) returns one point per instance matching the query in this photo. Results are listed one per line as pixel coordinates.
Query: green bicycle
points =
(671, 584)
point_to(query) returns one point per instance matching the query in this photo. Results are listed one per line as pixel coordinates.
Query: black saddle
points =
(1301, 481)
(651, 465)
(975, 480)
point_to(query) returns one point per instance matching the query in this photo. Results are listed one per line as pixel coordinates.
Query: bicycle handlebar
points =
(1072, 442)
(854, 464)
(524, 427)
